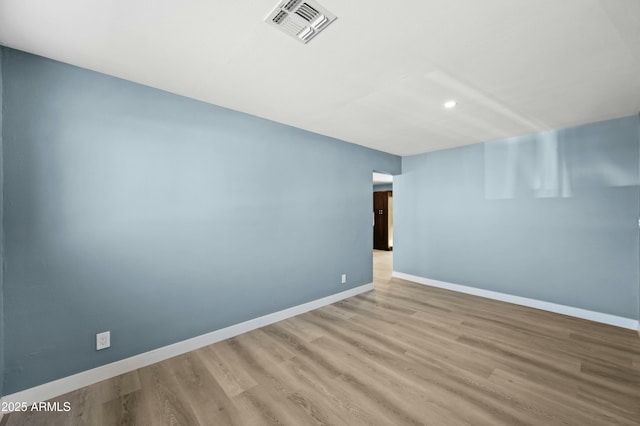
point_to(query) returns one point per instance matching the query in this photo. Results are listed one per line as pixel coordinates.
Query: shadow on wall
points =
(553, 165)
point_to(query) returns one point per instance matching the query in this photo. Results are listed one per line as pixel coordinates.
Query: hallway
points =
(382, 267)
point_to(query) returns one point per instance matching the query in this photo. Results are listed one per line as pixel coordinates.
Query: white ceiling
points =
(377, 77)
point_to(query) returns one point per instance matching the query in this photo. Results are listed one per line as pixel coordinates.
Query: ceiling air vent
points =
(307, 12)
(280, 16)
(301, 19)
(290, 5)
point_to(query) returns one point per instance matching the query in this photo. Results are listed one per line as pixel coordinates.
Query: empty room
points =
(300, 212)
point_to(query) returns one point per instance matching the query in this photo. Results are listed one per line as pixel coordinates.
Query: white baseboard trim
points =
(524, 301)
(68, 384)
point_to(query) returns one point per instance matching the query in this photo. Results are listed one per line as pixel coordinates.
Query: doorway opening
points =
(382, 227)
(382, 212)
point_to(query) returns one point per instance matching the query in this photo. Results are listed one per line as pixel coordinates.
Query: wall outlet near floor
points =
(103, 340)
(344, 278)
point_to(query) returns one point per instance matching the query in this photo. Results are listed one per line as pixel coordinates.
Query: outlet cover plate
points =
(103, 340)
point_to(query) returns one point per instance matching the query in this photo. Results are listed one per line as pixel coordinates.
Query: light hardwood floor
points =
(403, 354)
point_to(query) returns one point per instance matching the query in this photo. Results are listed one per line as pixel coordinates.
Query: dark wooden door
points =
(381, 220)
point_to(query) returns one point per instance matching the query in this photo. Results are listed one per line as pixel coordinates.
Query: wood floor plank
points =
(307, 332)
(208, 401)
(402, 354)
(563, 408)
(226, 370)
(122, 411)
(162, 402)
(290, 405)
(356, 410)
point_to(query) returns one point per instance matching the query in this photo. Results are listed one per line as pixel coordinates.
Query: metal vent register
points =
(301, 19)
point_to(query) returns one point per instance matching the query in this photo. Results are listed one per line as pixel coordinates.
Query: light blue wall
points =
(144, 213)
(550, 216)
(387, 187)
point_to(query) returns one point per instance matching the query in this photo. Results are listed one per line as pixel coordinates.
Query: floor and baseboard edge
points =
(524, 301)
(68, 384)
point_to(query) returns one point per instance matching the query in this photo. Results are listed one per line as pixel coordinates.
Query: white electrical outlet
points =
(103, 340)
(344, 278)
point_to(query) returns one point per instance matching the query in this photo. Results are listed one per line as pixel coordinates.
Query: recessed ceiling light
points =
(450, 104)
